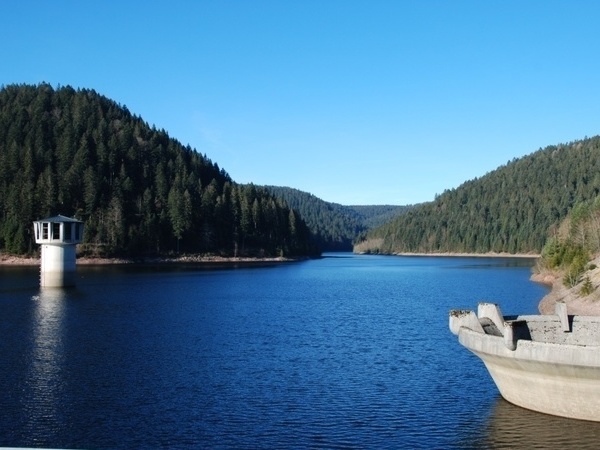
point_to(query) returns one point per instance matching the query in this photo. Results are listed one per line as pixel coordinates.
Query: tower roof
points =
(59, 218)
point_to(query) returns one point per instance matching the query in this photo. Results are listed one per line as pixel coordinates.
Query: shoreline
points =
(577, 303)
(473, 255)
(11, 260)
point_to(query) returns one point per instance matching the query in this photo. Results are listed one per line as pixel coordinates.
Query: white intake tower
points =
(58, 237)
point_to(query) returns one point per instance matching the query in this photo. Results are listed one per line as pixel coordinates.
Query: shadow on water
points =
(160, 268)
(499, 263)
(340, 255)
(511, 426)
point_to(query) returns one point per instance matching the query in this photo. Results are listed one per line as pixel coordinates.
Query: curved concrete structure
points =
(549, 364)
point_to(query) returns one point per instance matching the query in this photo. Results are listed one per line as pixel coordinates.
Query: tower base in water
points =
(58, 266)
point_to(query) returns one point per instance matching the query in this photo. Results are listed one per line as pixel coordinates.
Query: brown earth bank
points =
(475, 255)
(197, 259)
(577, 303)
(7, 259)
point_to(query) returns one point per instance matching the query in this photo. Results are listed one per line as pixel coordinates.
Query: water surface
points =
(342, 352)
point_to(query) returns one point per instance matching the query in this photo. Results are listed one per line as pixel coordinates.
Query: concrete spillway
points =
(546, 363)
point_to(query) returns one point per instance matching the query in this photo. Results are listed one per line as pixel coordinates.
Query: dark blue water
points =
(342, 352)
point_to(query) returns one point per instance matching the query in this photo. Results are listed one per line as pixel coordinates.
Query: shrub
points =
(587, 287)
(575, 268)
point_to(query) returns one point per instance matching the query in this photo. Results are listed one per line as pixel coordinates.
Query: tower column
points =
(58, 266)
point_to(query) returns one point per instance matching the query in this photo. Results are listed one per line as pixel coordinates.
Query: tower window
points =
(67, 231)
(56, 231)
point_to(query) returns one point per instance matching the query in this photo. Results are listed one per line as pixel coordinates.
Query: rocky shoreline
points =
(577, 303)
(474, 255)
(10, 260)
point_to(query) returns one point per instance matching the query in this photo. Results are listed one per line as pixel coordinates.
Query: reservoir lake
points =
(346, 351)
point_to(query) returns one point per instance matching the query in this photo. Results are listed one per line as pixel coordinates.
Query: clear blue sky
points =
(356, 102)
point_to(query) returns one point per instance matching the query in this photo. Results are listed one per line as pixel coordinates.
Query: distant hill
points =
(335, 226)
(373, 216)
(511, 209)
(80, 154)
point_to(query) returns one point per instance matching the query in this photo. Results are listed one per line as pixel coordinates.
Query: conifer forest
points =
(139, 191)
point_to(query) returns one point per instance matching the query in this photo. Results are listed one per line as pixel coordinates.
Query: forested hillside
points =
(335, 226)
(511, 209)
(373, 216)
(77, 153)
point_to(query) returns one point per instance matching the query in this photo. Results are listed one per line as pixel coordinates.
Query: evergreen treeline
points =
(373, 216)
(138, 191)
(511, 209)
(335, 226)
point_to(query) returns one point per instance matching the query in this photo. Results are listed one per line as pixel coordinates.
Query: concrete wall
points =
(58, 266)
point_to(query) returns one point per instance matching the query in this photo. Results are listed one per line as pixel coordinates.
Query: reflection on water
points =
(45, 374)
(511, 426)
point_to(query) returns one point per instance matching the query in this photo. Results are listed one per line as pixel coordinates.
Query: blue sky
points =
(356, 102)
